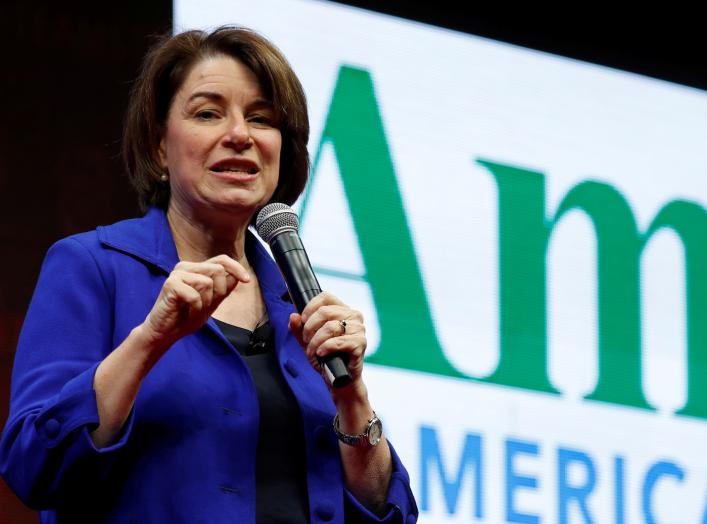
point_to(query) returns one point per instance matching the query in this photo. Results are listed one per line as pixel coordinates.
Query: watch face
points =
(375, 432)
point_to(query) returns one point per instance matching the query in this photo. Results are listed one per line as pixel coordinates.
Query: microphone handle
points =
(291, 258)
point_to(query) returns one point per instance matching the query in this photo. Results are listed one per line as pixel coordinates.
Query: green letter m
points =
(524, 233)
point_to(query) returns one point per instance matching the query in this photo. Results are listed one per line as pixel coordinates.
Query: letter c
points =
(657, 470)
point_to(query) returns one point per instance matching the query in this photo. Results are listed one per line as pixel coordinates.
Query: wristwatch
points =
(371, 436)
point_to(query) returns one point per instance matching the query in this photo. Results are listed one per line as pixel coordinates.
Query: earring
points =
(164, 177)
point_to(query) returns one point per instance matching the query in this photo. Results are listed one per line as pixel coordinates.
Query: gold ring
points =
(342, 323)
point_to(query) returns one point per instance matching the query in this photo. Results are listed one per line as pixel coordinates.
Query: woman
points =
(162, 374)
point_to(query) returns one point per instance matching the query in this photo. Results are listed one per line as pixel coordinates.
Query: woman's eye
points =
(265, 120)
(206, 114)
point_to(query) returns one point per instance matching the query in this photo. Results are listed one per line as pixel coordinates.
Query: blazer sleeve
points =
(400, 501)
(46, 453)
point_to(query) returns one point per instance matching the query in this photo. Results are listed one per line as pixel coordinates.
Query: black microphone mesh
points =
(275, 218)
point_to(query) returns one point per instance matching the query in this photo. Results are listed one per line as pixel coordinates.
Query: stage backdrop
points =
(526, 236)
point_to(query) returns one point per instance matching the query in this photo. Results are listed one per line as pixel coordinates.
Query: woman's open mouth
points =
(235, 168)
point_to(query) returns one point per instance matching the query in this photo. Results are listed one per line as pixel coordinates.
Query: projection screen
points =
(526, 237)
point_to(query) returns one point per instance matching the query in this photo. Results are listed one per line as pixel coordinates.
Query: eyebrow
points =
(211, 95)
(218, 97)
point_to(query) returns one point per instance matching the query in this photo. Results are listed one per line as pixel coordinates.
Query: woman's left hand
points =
(326, 326)
(319, 330)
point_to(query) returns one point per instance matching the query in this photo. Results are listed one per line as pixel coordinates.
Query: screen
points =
(526, 238)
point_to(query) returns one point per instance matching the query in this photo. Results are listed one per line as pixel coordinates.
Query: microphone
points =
(278, 224)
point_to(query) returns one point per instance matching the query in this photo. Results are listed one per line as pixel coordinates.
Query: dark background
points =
(66, 73)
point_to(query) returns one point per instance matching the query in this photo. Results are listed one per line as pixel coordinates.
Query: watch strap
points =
(360, 440)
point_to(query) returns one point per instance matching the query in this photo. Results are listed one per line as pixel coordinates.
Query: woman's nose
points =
(238, 134)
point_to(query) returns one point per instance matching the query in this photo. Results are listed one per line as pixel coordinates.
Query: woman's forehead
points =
(222, 74)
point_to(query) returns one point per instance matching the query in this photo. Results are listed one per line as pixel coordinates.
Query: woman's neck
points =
(197, 239)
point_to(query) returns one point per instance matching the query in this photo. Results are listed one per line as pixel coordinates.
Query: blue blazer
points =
(187, 451)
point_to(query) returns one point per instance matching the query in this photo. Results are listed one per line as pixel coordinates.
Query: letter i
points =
(619, 490)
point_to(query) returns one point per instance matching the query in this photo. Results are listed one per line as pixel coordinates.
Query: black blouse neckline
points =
(248, 342)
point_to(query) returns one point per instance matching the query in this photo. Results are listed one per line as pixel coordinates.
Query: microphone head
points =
(275, 218)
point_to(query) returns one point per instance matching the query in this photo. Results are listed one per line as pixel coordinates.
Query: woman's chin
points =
(238, 204)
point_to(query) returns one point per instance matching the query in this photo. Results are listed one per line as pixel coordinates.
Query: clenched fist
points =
(191, 293)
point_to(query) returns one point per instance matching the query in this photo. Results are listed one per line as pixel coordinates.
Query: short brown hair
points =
(164, 70)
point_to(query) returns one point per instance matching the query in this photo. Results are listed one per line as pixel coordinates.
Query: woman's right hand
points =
(191, 293)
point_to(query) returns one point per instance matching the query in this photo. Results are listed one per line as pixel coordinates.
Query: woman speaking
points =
(162, 374)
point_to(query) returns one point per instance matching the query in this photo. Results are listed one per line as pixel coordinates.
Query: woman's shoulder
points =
(147, 239)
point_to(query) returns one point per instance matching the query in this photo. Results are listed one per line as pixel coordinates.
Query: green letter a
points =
(355, 131)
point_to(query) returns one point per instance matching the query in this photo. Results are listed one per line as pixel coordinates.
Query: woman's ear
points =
(162, 154)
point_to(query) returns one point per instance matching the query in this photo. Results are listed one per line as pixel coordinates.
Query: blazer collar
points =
(150, 239)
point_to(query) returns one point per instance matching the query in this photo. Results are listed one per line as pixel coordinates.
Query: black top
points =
(280, 462)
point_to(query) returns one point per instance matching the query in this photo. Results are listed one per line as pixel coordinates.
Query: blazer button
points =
(412, 519)
(291, 368)
(325, 511)
(52, 427)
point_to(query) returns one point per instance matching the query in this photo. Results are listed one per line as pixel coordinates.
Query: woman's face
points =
(221, 144)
